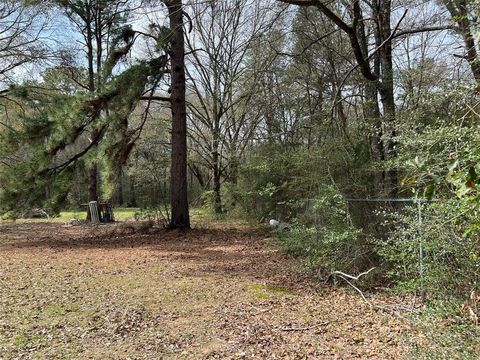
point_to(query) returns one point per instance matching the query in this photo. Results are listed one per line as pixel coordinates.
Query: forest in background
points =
(291, 110)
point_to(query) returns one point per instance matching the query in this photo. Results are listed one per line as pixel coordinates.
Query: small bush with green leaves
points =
(439, 156)
(450, 265)
(230, 197)
(159, 216)
(275, 181)
(325, 236)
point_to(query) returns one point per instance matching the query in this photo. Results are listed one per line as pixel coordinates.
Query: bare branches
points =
(401, 33)
(221, 83)
(21, 28)
(460, 14)
(323, 8)
(377, 49)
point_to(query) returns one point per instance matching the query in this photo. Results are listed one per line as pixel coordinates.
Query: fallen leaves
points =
(217, 293)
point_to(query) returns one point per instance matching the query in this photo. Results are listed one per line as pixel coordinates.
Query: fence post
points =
(420, 251)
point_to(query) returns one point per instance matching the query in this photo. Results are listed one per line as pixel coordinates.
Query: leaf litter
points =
(223, 291)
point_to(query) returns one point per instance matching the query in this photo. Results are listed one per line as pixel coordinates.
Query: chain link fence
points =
(371, 216)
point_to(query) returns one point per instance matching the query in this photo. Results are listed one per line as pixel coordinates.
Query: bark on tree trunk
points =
(217, 181)
(178, 171)
(459, 12)
(92, 186)
(372, 114)
(133, 195)
(120, 187)
(217, 185)
(386, 90)
(93, 171)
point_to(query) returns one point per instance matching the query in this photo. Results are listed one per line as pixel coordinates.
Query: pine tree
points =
(62, 131)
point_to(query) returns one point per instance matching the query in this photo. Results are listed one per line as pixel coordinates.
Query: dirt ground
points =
(223, 292)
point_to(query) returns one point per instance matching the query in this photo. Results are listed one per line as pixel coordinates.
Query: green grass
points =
(121, 214)
(264, 292)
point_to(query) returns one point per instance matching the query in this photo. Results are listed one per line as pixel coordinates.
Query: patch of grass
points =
(264, 292)
(25, 340)
(56, 310)
(121, 214)
(69, 215)
(280, 290)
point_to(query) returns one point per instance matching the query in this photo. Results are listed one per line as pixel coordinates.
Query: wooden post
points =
(93, 207)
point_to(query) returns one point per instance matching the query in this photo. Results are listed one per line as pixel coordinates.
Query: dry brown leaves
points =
(218, 293)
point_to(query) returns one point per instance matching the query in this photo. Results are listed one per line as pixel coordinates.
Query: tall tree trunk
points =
(178, 171)
(92, 184)
(372, 111)
(386, 90)
(93, 171)
(372, 114)
(233, 167)
(216, 163)
(120, 186)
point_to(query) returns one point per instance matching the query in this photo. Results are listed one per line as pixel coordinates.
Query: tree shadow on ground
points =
(227, 251)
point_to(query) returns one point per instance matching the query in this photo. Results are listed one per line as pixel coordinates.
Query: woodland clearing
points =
(220, 291)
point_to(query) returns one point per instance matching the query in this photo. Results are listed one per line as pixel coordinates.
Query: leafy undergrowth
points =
(441, 332)
(222, 291)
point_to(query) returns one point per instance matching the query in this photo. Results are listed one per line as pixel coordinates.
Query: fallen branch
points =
(340, 273)
(306, 327)
(349, 278)
(260, 311)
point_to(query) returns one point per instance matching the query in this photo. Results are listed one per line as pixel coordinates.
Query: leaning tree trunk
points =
(178, 171)
(460, 12)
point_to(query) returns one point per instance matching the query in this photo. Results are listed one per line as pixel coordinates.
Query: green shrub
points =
(451, 255)
(275, 181)
(325, 236)
(439, 154)
(159, 216)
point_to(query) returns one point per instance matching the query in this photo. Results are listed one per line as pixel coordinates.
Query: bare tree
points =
(222, 80)
(21, 40)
